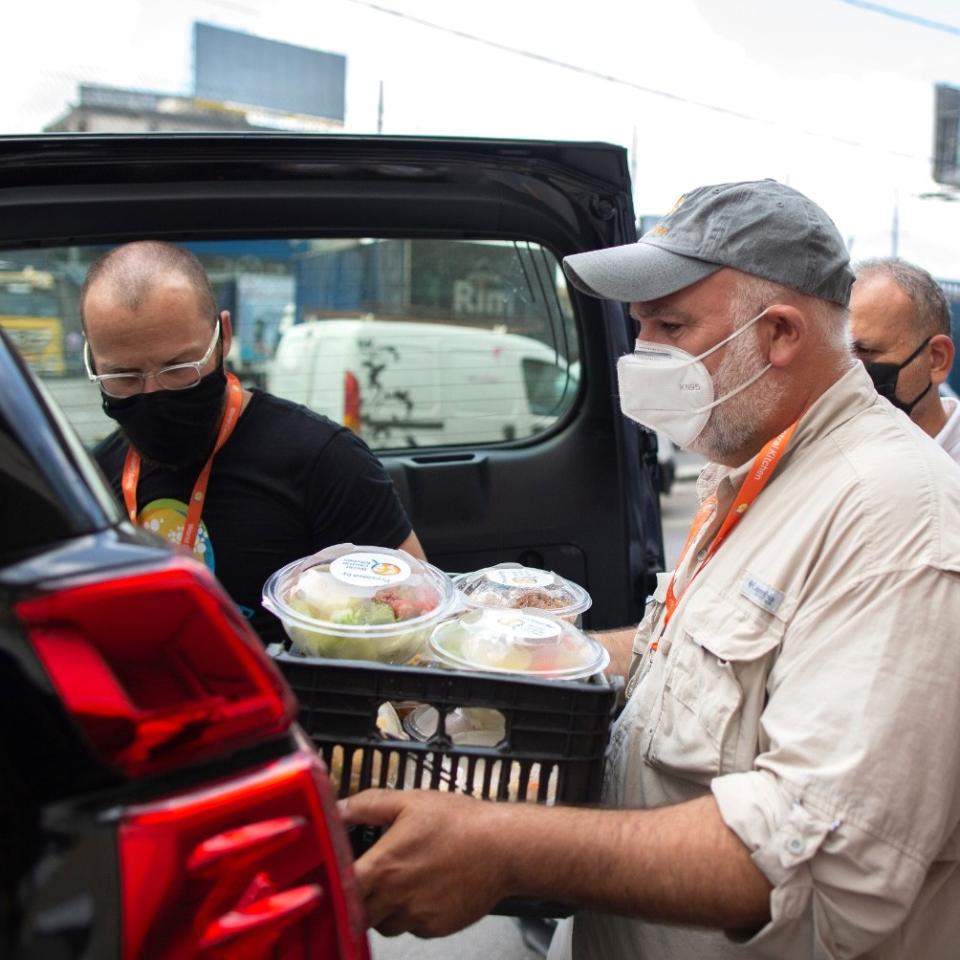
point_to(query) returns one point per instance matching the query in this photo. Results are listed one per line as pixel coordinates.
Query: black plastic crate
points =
(553, 750)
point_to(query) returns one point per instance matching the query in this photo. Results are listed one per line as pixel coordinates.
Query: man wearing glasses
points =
(245, 480)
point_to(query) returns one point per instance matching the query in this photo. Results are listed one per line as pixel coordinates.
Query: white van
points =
(407, 384)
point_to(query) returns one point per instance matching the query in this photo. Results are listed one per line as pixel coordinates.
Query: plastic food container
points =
(513, 586)
(466, 726)
(526, 642)
(352, 602)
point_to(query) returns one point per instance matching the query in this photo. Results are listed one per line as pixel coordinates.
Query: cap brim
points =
(634, 272)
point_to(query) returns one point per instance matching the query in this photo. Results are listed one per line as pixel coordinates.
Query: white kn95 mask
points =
(666, 388)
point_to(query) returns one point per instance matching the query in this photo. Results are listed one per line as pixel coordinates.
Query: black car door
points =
(578, 494)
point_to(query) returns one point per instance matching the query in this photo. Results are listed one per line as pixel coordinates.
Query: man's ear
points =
(226, 332)
(942, 352)
(783, 329)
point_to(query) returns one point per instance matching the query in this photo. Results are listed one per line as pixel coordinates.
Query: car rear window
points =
(410, 342)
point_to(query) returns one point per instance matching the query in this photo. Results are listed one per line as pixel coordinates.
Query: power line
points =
(904, 15)
(620, 81)
(551, 61)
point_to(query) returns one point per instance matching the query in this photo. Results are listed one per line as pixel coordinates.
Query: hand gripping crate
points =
(553, 749)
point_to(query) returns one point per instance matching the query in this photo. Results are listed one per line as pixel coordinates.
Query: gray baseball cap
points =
(759, 227)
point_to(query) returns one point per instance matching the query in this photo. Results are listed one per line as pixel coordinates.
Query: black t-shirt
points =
(287, 483)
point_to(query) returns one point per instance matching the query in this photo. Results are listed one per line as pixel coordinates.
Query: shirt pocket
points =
(706, 720)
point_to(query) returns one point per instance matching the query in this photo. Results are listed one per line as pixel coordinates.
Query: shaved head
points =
(132, 271)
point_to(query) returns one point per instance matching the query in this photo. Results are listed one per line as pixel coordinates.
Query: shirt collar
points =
(845, 399)
(848, 396)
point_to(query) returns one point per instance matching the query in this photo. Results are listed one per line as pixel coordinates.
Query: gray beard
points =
(735, 425)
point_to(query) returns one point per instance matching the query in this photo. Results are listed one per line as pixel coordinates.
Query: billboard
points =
(946, 143)
(241, 68)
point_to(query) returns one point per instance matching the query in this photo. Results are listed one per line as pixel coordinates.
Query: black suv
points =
(156, 800)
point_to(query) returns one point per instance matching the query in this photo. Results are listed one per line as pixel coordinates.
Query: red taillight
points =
(249, 869)
(351, 402)
(157, 667)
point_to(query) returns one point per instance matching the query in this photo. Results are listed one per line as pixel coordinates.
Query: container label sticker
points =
(520, 577)
(526, 627)
(370, 569)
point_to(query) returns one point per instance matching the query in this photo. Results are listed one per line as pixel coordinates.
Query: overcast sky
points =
(828, 95)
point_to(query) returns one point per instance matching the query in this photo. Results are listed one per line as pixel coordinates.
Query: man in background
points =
(900, 322)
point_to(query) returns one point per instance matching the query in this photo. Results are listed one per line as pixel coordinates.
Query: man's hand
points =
(445, 860)
(440, 865)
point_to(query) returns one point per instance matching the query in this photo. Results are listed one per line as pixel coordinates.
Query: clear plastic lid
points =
(518, 641)
(514, 586)
(359, 602)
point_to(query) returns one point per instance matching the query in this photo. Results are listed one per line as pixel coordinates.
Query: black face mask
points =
(884, 377)
(173, 428)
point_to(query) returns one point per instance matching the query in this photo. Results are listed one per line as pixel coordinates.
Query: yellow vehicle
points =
(30, 314)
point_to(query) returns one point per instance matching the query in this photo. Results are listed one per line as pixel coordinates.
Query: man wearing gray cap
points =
(784, 779)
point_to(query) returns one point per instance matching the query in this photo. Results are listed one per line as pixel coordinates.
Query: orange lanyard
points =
(761, 470)
(131, 468)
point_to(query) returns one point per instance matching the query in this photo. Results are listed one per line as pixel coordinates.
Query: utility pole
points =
(895, 226)
(380, 110)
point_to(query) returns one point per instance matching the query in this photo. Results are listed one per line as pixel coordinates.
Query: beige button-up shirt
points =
(810, 678)
(949, 436)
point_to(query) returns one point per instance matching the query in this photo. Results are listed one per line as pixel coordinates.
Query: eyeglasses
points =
(179, 376)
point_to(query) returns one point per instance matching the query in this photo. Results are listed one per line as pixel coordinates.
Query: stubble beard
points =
(736, 424)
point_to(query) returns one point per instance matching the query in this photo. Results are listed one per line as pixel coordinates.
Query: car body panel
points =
(62, 805)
